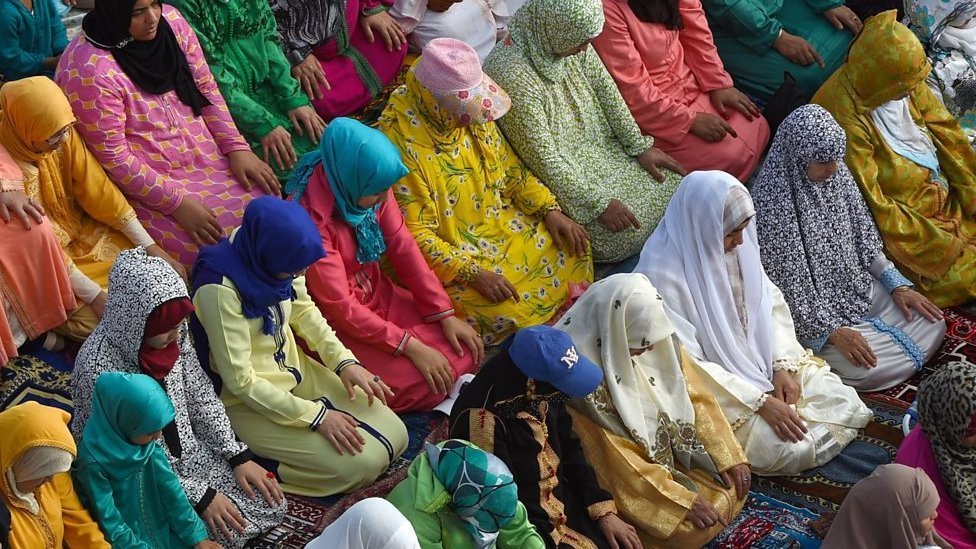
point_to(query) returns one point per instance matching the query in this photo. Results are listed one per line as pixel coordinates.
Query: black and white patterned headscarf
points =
(817, 240)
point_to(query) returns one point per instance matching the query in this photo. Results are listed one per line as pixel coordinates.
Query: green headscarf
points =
(124, 406)
(544, 28)
(483, 491)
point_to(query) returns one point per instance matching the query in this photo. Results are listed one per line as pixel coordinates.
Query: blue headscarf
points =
(359, 161)
(275, 237)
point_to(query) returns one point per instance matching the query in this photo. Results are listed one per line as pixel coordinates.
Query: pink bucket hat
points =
(451, 71)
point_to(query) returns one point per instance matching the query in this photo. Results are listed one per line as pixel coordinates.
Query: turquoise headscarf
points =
(124, 406)
(359, 161)
(483, 491)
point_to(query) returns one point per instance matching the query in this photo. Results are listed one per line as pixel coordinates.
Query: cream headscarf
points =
(643, 398)
(37, 463)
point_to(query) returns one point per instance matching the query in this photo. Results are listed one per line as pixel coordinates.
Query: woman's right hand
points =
(310, 75)
(494, 287)
(703, 514)
(199, 221)
(711, 128)
(340, 429)
(797, 50)
(853, 345)
(618, 217)
(432, 364)
(277, 144)
(223, 516)
(22, 206)
(783, 419)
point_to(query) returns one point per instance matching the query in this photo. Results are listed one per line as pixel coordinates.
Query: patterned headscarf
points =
(817, 239)
(946, 406)
(929, 18)
(484, 495)
(542, 29)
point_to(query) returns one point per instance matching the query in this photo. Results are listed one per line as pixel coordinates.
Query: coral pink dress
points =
(665, 76)
(373, 316)
(151, 145)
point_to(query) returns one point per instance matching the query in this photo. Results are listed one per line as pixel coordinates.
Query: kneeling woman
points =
(789, 412)
(326, 423)
(406, 334)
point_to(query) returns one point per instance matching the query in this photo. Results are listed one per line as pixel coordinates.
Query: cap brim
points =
(582, 380)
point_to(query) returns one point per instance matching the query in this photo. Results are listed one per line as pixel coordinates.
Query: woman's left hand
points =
(250, 475)
(307, 122)
(653, 159)
(458, 331)
(157, 251)
(739, 476)
(722, 100)
(355, 375)
(383, 24)
(842, 16)
(907, 299)
(249, 169)
(567, 234)
(620, 534)
(785, 387)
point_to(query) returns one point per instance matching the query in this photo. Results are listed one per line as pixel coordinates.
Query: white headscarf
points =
(373, 523)
(685, 259)
(895, 124)
(37, 463)
(643, 398)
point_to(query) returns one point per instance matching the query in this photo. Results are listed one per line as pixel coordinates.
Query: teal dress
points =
(745, 30)
(130, 489)
(27, 39)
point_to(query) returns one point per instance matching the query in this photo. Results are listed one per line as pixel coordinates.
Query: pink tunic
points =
(152, 146)
(372, 315)
(916, 451)
(665, 77)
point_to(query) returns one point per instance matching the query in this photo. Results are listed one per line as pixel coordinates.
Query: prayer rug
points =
(768, 523)
(41, 376)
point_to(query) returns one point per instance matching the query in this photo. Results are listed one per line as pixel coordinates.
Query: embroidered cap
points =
(549, 355)
(451, 71)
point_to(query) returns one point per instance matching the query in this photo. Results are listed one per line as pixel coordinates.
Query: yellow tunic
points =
(929, 231)
(471, 203)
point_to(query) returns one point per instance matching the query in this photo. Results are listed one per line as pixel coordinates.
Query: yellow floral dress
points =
(471, 204)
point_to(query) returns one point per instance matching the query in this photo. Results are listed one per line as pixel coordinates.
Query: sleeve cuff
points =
(439, 316)
(816, 344)
(601, 509)
(403, 344)
(137, 235)
(317, 420)
(241, 458)
(204, 502)
(891, 278)
(468, 271)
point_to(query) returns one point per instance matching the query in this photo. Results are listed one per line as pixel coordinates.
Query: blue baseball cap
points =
(549, 355)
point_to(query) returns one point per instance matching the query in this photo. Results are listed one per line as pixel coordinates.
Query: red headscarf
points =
(158, 362)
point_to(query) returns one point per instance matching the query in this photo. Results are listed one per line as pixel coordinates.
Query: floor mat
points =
(768, 523)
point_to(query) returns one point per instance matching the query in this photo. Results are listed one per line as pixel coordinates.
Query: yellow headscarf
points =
(885, 62)
(26, 426)
(32, 110)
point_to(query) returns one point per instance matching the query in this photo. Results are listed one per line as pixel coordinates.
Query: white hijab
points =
(373, 523)
(685, 259)
(895, 124)
(37, 463)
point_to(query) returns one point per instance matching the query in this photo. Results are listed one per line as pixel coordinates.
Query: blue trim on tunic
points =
(903, 340)
(892, 278)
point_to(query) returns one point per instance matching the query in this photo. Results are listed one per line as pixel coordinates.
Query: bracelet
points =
(901, 289)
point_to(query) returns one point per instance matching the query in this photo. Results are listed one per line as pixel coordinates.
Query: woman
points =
(402, 333)
(893, 508)
(478, 23)
(757, 49)
(572, 128)
(372, 523)
(820, 246)
(240, 40)
(124, 475)
(661, 54)
(491, 231)
(458, 496)
(39, 507)
(913, 163)
(89, 214)
(660, 438)
(324, 419)
(343, 53)
(150, 112)
(32, 38)
(944, 446)
(143, 331)
(948, 32)
(788, 411)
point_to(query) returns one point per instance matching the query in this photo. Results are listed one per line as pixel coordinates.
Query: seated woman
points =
(89, 214)
(572, 128)
(944, 446)
(911, 160)
(893, 508)
(661, 54)
(38, 504)
(820, 246)
(458, 496)
(789, 412)
(491, 231)
(163, 135)
(403, 333)
(143, 331)
(32, 38)
(756, 48)
(478, 23)
(660, 438)
(316, 416)
(342, 53)
(372, 523)
(124, 476)
(515, 409)
(240, 40)
(948, 32)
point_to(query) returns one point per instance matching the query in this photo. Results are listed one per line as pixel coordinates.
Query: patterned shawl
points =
(542, 29)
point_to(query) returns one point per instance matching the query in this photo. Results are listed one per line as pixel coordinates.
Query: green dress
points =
(240, 41)
(745, 30)
(571, 126)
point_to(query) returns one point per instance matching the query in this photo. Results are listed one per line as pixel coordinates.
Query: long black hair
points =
(664, 12)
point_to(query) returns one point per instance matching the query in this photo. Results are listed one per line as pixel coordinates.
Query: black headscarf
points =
(156, 66)
(665, 12)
